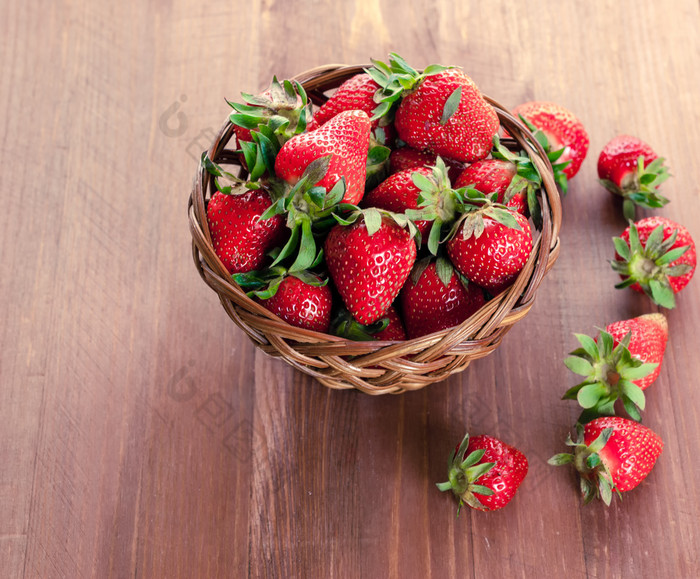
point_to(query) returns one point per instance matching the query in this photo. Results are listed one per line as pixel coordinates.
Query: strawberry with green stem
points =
(485, 473)
(655, 256)
(560, 133)
(629, 167)
(435, 297)
(439, 110)
(611, 454)
(490, 243)
(424, 195)
(302, 299)
(513, 177)
(318, 174)
(612, 371)
(241, 237)
(369, 255)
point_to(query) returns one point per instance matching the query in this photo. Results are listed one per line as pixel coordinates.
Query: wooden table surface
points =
(143, 435)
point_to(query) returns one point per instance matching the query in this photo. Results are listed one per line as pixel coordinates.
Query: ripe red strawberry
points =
(623, 361)
(239, 237)
(369, 261)
(356, 93)
(434, 298)
(485, 473)
(441, 110)
(649, 335)
(628, 167)
(345, 138)
(303, 301)
(495, 176)
(656, 256)
(611, 454)
(561, 128)
(408, 158)
(488, 252)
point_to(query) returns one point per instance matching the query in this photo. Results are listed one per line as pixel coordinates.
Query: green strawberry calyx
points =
(464, 474)
(650, 264)
(234, 184)
(474, 207)
(596, 480)
(553, 155)
(308, 209)
(437, 202)
(639, 186)
(345, 326)
(373, 217)
(273, 117)
(398, 78)
(609, 373)
(527, 177)
(263, 284)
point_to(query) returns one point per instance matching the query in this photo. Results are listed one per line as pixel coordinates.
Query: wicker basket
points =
(377, 367)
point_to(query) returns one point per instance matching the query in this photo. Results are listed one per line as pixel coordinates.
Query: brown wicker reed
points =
(376, 367)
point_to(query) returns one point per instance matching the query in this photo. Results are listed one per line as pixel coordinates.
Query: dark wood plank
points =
(145, 435)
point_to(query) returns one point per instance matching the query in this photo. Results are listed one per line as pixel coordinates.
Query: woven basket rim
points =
(377, 367)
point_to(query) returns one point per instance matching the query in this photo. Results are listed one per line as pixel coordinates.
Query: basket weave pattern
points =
(376, 367)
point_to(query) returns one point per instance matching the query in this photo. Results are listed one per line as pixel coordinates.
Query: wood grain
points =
(145, 436)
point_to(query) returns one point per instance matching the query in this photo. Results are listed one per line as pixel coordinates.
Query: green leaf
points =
(307, 249)
(481, 490)
(422, 182)
(589, 394)
(631, 408)
(638, 372)
(475, 472)
(317, 169)
(434, 237)
(289, 247)
(472, 458)
(605, 344)
(579, 366)
(672, 255)
(633, 392)
(373, 220)
(662, 294)
(589, 345)
(444, 270)
(451, 105)
(621, 247)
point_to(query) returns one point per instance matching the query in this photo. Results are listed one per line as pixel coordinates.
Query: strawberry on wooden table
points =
(485, 473)
(611, 454)
(656, 256)
(629, 167)
(369, 256)
(490, 246)
(434, 298)
(622, 362)
(439, 110)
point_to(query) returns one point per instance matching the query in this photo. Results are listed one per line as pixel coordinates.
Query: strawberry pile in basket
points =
(392, 211)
